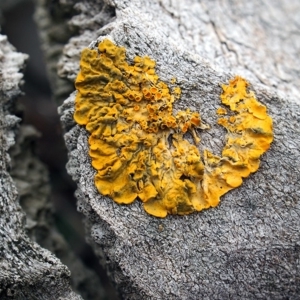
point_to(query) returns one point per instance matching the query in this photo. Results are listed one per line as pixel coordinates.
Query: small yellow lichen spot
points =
(173, 80)
(137, 145)
(177, 92)
(221, 111)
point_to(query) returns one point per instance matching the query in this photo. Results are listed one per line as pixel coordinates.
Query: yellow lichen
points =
(173, 80)
(221, 111)
(249, 135)
(137, 144)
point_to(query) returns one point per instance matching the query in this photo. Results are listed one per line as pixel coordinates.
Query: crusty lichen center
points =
(128, 112)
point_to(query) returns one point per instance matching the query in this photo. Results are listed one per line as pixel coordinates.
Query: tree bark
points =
(27, 270)
(248, 246)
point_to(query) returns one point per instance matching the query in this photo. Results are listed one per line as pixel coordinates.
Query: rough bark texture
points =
(27, 270)
(248, 247)
(30, 177)
(54, 34)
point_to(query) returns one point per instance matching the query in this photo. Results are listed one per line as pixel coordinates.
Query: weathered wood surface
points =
(30, 177)
(247, 247)
(27, 271)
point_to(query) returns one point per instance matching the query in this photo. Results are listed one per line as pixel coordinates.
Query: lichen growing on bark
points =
(137, 145)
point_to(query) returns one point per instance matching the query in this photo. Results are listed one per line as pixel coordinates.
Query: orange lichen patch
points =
(177, 92)
(128, 112)
(249, 135)
(137, 145)
(221, 111)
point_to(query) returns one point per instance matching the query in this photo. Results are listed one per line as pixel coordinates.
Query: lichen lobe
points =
(128, 112)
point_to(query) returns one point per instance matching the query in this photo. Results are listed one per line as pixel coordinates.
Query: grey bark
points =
(27, 271)
(30, 177)
(247, 247)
